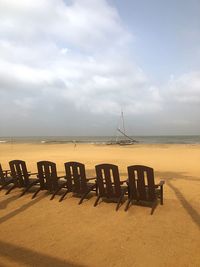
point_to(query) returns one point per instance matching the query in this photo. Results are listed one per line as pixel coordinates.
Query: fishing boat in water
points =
(126, 140)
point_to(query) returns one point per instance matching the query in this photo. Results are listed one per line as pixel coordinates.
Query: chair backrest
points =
(2, 176)
(19, 172)
(76, 177)
(108, 181)
(47, 174)
(141, 183)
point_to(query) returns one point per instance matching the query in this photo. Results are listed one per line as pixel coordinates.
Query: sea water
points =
(176, 139)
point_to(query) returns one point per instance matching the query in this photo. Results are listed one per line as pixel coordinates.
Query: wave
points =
(56, 141)
(100, 140)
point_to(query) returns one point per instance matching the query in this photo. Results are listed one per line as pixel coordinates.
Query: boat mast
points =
(123, 125)
(122, 117)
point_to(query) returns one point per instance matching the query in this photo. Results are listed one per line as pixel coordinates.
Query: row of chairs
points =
(139, 187)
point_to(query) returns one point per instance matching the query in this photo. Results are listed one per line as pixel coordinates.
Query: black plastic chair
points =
(109, 184)
(21, 177)
(5, 178)
(48, 178)
(142, 186)
(76, 181)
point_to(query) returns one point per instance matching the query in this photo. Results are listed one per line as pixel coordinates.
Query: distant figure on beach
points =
(74, 141)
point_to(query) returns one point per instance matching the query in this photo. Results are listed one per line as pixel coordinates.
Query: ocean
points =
(176, 139)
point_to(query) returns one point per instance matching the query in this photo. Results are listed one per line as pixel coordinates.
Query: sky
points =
(69, 67)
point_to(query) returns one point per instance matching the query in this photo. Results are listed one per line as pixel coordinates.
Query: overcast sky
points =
(68, 67)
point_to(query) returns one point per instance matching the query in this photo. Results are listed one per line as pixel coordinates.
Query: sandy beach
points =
(41, 232)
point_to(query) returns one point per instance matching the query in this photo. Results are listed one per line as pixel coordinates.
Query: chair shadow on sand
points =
(27, 257)
(4, 203)
(20, 209)
(169, 177)
(173, 176)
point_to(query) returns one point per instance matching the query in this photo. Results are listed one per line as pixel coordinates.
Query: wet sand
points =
(41, 232)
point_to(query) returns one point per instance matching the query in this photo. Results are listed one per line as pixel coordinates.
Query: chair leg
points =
(128, 203)
(97, 200)
(161, 195)
(121, 197)
(10, 189)
(36, 193)
(153, 207)
(86, 193)
(26, 189)
(119, 201)
(62, 197)
(4, 185)
(56, 192)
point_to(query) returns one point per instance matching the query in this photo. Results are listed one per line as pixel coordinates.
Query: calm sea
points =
(189, 139)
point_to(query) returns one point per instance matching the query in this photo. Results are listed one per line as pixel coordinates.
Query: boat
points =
(126, 140)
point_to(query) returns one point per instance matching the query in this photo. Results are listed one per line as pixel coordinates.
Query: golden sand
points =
(41, 232)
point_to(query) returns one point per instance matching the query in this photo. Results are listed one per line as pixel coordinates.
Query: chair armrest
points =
(93, 178)
(161, 183)
(33, 173)
(121, 182)
(63, 176)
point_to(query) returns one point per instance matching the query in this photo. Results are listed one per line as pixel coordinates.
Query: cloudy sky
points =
(68, 67)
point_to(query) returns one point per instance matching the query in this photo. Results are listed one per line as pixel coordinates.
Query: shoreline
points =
(104, 140)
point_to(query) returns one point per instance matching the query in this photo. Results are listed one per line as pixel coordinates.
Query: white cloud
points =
(85, 24)
(185, 88)
(78, 50)
(57, 54)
